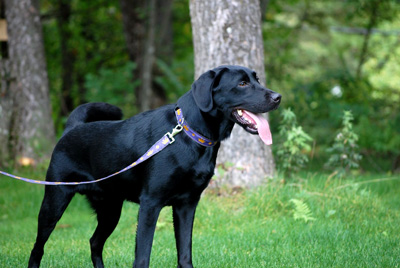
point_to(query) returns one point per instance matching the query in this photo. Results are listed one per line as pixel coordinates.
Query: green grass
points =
(357, 224)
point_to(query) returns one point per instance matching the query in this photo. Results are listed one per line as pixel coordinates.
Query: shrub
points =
(114, 86)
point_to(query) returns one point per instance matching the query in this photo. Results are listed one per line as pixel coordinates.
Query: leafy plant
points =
(291, 154)
(344, 151)
(114, 86)
(175, 78)
(301, 211)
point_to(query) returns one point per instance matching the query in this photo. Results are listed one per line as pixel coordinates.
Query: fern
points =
(301, 211)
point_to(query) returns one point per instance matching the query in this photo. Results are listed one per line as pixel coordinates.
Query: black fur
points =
(97, 143)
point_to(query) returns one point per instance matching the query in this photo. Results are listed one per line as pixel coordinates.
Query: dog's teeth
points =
(240, 112)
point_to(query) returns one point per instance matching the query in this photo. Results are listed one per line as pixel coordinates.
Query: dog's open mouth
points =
(254, 123)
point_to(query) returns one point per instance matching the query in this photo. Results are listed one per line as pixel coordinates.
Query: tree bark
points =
(67, 57)
(164, 33)
(145, 26)
(26, 114)
(134, 14)
(264, 7)
(163, 48)
(229, 32)
(6, 111)
(148, 59)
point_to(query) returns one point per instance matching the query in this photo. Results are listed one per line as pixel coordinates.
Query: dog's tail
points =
(90, 112)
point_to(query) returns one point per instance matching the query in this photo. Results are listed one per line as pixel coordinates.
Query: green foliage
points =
(344, 151)
(176, 78)
(311, 48)
(386, 133)
(301, 211)
(292, 153)
(114, 86)
(95, 41)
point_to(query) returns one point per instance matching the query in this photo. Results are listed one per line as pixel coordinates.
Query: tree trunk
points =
(67, 56)
(6, 111)
(164, 33)
(229, 32)
(163, 48)
(145, 26)
(25, 112)
(264, 7)
(146, 70)
(6, 102)
(133, 18)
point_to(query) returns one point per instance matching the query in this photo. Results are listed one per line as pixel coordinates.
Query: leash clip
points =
(177, 129)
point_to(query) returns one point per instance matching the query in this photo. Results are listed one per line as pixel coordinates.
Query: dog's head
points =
(236, 92)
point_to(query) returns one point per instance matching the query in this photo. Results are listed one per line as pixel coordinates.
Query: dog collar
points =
(190, 132)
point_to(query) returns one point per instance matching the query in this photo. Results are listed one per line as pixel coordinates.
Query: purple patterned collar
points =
(191, 133)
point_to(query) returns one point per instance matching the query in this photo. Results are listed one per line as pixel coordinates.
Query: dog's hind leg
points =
(53, 206)
(108, 214)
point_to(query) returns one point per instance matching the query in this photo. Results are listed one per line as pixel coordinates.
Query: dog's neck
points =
(213, 125)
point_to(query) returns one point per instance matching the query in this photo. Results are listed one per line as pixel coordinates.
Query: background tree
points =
(147, 28)
(229, 32)
(67, 55)
(5, 97)
(83, 40)
(29, 131)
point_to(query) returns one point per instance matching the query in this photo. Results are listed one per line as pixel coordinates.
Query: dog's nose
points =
(276, 97)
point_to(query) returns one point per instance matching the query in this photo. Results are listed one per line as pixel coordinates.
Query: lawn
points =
(353, 222)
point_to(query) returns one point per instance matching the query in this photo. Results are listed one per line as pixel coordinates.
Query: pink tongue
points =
(263, 127)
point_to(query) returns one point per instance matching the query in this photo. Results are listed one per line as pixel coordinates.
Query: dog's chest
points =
(186, 173)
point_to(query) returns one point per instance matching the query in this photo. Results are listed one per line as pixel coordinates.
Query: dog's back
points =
(91, 112)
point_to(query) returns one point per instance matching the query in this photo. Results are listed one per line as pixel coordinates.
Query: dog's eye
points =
(243, 84)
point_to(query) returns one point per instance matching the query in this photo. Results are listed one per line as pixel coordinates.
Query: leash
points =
(166, 140)
(160, 145)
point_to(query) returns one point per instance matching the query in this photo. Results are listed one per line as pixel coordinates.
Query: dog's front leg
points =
(148, 215)
(183, 225)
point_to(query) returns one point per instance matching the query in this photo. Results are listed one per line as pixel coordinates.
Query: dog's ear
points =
(202, 89)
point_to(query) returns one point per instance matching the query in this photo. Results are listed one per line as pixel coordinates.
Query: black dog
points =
(96, 143)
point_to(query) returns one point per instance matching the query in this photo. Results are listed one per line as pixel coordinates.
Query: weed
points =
(344, 151)
(291, 154)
